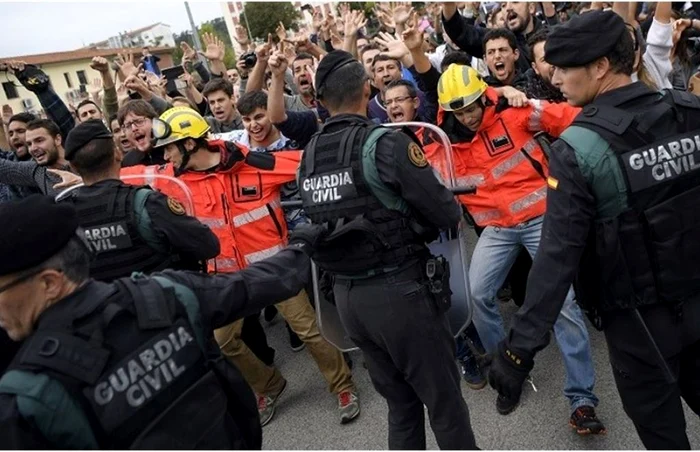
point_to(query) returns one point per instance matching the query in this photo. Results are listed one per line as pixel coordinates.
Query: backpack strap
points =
(66, 354)
(386, 196)
(150, 303)
(189, 300)
(45, 403)
(143, 220)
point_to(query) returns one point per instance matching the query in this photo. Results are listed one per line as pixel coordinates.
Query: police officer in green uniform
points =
(622, 224)
(127, 364)
(375, 191)
(130, 228)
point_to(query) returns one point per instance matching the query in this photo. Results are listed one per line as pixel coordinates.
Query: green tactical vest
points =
(45, 403)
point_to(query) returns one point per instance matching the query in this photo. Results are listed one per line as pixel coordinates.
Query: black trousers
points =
(253, 334)
(410, 356)
(649, 399)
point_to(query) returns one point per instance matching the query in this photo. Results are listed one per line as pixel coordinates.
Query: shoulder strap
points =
(65, 354)
(683, 98)
(143, 219)
(388, 198)
(189, 300)
(149, 301)
(45, 403)
(612, 119)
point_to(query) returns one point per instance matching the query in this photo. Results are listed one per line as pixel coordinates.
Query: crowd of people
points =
(498, 78)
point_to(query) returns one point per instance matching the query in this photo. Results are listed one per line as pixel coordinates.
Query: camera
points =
(249, 59)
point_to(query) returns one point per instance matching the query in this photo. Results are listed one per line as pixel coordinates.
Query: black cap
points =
(32, 230)
(83, 133)
(331, 63)
(583, 39)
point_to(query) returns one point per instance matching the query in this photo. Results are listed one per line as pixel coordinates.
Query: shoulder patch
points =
(417, 156)
(175, 206)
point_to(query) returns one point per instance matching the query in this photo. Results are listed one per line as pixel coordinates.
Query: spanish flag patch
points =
(552, 182)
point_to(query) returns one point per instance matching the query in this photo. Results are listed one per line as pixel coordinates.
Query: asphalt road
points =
(306, 417)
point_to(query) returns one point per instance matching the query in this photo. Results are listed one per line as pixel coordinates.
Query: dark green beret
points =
(583, 39)
(331, 63)
(32, 230)
(84, 133)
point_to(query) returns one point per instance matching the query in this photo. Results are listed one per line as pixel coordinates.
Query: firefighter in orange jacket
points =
(509, 168)
(237, 193)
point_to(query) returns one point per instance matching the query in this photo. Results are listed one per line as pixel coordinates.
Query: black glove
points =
(33, 78)
(509, 369)
(307, 237)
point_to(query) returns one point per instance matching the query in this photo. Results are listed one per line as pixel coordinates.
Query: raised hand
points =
(395, 48)
(412, 37)
(278, 62)
(125, 65)
(215, 48)
(7, 113)
(263, 51)
(100, 64)
(95, 88)
(188, 52)
(354, 21)
(401, 13)
(281, 32)
(317, 20)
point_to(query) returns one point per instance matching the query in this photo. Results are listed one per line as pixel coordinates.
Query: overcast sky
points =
(43, 27)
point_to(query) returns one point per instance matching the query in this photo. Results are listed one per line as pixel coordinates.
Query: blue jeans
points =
(493, 256)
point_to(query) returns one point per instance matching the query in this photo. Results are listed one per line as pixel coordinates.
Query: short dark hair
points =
(47, 124)
(22, 117)
(621, 57)
(368, 47)
(249, 102)
(73, 260)
(303, 56)
(138, 107)
(540, 35)
(344, 87)
(218, 84)
(412, 91)
(498, 33)
(384, 57)
(459, 58)
(87, 102)
(96, 157)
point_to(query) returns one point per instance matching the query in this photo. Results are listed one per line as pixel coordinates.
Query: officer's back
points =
(129, 228)
(378, 196)
(127, 364)
(374, 188)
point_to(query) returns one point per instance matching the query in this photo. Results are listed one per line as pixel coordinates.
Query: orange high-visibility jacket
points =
(241, 205)
(501, 161)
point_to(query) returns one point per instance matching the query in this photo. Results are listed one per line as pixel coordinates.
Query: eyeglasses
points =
(136, 122)
(397, 100)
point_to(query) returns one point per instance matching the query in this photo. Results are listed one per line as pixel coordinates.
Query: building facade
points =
(154, 35)
(69, 72)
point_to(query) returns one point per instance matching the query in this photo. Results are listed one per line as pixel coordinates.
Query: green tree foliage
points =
(263, 17)
(216, 26)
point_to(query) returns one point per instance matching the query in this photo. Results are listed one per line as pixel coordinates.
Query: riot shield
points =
(170, 186)
(451, 244)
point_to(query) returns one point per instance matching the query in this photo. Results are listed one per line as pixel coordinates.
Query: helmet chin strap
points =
(185, 158)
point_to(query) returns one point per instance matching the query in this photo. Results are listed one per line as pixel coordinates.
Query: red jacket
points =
(239, 202)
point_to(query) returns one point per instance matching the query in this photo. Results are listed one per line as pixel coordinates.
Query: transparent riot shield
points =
(170, 186)
(451, 244)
